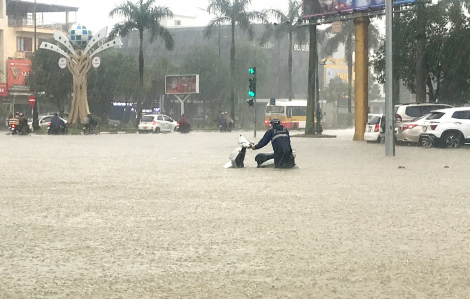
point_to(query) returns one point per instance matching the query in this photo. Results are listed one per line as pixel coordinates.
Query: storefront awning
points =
(17, 7)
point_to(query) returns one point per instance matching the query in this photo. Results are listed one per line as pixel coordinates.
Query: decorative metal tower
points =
(79, 63)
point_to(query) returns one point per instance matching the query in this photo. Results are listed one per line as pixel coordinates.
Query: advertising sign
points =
(333, 71)
(3, 90)
(18, 70)
(182, 84)
(312, 8)
(62, 63)
(96, 62)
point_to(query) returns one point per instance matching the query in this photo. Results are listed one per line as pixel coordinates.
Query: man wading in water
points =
(280, 139)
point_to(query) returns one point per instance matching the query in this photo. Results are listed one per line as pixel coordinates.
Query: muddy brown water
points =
(156, 216)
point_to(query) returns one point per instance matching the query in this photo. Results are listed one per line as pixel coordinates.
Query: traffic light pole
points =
(254, 106)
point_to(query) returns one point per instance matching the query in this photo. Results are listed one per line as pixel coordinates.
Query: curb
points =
(313, 136)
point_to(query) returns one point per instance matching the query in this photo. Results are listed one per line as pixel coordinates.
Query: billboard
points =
(18, 70)
(3, 90)
(313, 8)
(182, 84)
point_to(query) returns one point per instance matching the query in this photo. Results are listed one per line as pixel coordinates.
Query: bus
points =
(292, 114)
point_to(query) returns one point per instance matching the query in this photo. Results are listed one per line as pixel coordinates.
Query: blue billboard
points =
(315, 8)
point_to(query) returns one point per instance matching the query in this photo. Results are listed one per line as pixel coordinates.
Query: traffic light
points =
(250, 102)
(252, 91)
(252, 86)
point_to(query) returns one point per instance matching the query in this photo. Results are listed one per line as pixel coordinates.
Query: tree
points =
(446, 53)
(235, 13)
(48, 81)
(142, 16)
(374, 92)
(160, 68)
(287, 26)
(117, 77)
(345, 37)
(336, 90)
(212, 75)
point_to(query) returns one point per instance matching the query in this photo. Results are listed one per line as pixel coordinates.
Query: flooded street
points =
(156, 216)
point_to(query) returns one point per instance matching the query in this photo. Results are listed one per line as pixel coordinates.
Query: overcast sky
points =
(94, 13)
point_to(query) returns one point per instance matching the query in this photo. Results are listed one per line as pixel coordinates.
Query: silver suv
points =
(408, 112)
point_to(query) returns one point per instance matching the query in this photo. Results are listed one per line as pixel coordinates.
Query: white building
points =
(179, 21)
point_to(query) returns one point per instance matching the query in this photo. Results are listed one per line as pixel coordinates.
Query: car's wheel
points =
(452, 139)
(175, 129)
(157, 130)
(425, 142)
(295, 127)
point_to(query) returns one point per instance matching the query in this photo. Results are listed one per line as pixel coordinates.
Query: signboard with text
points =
(3, 90)
(182, 84)
(313, 8)
(18, 70)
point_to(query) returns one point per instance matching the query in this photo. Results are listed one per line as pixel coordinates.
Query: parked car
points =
(156, 123)
(446, 128)
(410, 132)
(43, 121)
(408, 112)
(375, 128)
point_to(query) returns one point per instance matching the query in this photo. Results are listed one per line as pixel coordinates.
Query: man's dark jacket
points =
(280, 139)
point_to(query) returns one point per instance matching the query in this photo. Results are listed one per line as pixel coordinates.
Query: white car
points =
(43, 121)
(156, 123)
(447, 128)
(408, 112)
(411, 131)
(375, 128)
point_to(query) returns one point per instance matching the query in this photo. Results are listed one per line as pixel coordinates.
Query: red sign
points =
(182, 84)
(3, 90)
(32, 100)
(18, 70)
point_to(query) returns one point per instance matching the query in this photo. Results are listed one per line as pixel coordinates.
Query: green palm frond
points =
(209, 29)
(122, 29)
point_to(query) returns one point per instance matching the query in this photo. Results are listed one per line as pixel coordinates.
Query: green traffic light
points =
(251, 93)
(252, 70)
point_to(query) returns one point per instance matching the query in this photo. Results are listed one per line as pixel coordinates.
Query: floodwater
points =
(156, 216)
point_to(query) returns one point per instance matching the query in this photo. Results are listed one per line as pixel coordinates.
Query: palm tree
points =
(233, 12)
(287, 26)
(142, 16)
(346, 37)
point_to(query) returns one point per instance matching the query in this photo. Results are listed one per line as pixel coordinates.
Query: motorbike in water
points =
(225, 128)
(19, 128)
(237, 157)
(90, 130)
(185, 128)
(57, 130)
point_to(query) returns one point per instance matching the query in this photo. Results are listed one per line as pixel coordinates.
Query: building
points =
(179, 21)
(19, 37)
(190, 38)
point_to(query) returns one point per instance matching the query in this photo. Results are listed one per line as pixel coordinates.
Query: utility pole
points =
(389, 117)
(312, 69)
(420, 52)
(35, 107)
(362, 69)
(34, 20)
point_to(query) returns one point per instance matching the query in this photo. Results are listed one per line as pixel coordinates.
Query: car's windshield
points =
(147, 118)
(435, 115)
(421, 117)
(375, 120)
